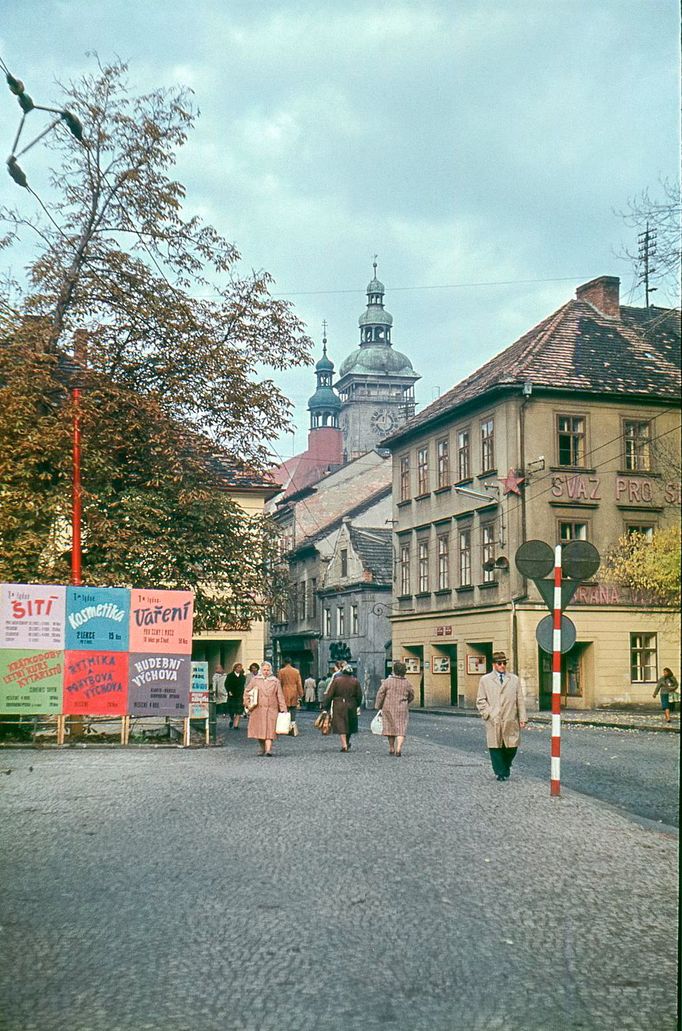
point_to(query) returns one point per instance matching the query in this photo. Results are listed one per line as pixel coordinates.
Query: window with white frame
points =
(572, 531)
(488, 551)
(423, 567)
(443, 562)
(645, 530)
(340, 621)
(571, 440)
(405, 569)
(423, 470)
(405, 478)
(354, 620)
(443, 448)
(487, 445)
(327, 622)
(643, 658)
(637, 445)
(465, 558)
(464, 454)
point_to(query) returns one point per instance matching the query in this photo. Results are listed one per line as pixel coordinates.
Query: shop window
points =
(464, 455)
(405, 478)
(643, 658)
(487, 445)
(423, 470)
(465, 558)
(405, 570)
(423, 567)
(571, 440)
(637, 445)
(443, 562)
(443, 448)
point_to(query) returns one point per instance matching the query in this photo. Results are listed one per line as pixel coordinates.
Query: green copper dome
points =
(379, 361)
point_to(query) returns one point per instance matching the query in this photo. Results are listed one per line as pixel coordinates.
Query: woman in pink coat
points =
(263, 715)
(393, 698)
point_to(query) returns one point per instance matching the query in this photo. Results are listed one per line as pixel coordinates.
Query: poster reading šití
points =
(161, 621)
(97, 618)
(30, 681)
(95, 683)
(32, 616)
(159, 685)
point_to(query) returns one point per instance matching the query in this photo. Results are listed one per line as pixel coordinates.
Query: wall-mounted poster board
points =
(411, 664)
(441, 664)
(476, 664)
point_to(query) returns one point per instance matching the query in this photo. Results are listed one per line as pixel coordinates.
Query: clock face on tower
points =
(383, 421)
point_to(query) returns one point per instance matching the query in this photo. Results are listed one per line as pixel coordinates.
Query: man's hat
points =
(499, 657)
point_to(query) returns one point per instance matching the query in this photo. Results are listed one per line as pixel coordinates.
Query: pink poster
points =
(95, 683)
(161, 621)
(32, 616)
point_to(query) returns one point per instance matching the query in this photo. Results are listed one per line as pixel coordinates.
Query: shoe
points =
(391, 752)
(268, 755)
(344, 749)
(348, 749)
(500, 777)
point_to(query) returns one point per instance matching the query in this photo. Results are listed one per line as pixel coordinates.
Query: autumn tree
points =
(145, 309)
(648, 565)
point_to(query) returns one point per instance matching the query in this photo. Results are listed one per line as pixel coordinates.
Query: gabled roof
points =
(577, 348)
(375, 551)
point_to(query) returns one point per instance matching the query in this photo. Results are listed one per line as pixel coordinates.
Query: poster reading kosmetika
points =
(95, 683)
(159, 685)
(30, 681)
(97, 618)
(161, 621)
(32, 616)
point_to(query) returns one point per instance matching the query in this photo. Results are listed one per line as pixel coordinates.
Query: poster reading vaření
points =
(97, 618)
(159, 685)
(95, 683)
(32, 616)
(30, 681)
(161, 621)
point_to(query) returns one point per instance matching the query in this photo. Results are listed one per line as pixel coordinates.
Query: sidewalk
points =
(651, 720)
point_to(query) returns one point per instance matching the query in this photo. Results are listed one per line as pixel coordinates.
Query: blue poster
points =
(97, 618)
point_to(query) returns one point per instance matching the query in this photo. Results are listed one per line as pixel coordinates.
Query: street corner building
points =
(571, 433)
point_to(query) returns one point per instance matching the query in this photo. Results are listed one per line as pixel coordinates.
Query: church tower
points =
(376, 383)
(325, 442)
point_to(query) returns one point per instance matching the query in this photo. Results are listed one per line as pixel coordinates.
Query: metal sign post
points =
(555, 753)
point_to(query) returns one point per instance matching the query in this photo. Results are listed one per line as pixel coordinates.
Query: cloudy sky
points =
(480, 147)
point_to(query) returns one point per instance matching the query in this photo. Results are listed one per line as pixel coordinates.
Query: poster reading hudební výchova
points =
(159, 685)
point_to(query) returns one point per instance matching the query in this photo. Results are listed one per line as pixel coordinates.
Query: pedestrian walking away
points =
(263, 714)
(235, 682)
(343, 697)
(667, 686)
(393, 699)
(501, 703)
(219, 691)
(322, 685)
(309, 692)
(292, 686)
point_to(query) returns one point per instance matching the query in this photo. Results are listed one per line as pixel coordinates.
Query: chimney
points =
(602, 293)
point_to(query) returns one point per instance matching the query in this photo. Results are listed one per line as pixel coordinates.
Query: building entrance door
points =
(572, 678)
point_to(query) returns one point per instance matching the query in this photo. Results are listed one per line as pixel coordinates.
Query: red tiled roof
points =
(578, 348)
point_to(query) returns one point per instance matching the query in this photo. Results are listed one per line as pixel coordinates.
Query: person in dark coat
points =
(667, 685)
(343, 697)
(234, 685)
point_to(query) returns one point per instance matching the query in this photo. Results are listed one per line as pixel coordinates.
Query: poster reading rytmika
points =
(159, 685)
(161, 621)
(95, 683)
(32, 616)
(30, 681)
(97, 618)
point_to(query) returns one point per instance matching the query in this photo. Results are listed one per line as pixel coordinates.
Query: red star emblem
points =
(512, 482)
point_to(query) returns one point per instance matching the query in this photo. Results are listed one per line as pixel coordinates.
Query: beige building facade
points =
(572, 433)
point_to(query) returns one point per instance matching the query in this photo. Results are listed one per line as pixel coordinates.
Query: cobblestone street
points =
(192, 890)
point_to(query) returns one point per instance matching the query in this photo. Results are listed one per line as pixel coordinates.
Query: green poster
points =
(31, 681)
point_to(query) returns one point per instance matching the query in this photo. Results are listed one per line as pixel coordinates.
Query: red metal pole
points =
(76, 495)
(555, 761)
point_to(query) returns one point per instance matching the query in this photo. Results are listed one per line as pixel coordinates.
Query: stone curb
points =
(626, 723)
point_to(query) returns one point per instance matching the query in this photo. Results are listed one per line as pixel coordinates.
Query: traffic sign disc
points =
(534, 559)
(580, 560)
(544, 634)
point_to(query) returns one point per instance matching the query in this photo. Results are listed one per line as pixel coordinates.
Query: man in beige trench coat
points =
(501, 703)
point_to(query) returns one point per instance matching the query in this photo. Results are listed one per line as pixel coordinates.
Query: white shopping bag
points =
(283, 725)
(377, 724)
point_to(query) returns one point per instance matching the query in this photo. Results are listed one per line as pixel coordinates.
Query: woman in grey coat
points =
(393, 698)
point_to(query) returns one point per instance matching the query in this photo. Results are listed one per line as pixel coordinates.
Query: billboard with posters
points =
(95, 683)
(97, 618)
(30, 681)
(159, 685)
(161, 621)
(32, 616)
(199, 693)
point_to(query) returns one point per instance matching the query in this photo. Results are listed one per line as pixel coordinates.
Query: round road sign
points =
(544, 634)
(579, 560)
(534, 559)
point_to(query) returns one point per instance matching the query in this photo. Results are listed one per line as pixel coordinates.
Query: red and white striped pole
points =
(555, 761)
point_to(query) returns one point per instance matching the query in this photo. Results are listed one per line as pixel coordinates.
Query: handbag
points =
(377, 724)
(323, 722)
(283, 724)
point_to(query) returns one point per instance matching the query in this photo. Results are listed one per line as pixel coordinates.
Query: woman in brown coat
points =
(343, 697)
(393, 698)
(263, 716)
